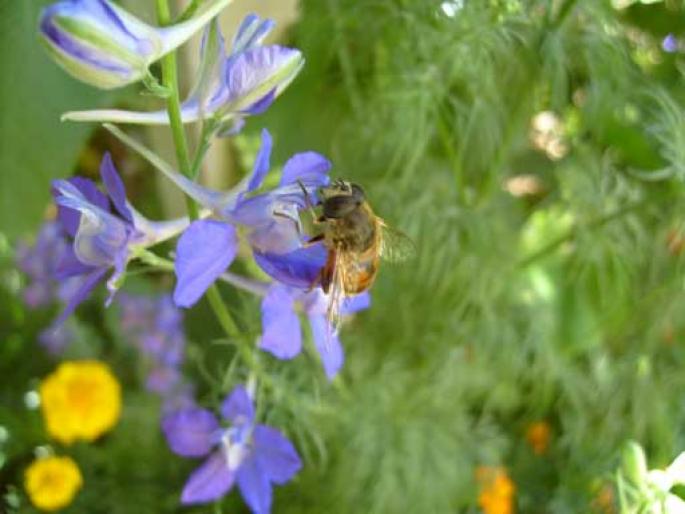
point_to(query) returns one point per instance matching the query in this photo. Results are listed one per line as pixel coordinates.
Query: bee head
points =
(340, 198)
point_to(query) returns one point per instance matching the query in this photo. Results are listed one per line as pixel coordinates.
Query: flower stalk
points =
(170, 80)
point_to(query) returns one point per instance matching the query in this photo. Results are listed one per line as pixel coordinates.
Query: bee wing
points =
(396, 246)
(336, 291)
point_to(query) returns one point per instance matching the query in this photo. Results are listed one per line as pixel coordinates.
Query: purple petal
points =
(262, 164)
(72, 48)
(281, 334)
(251, 32)
(356, 303)
(163, 380)
(115, 187)
(254, 486)
(209, 482)
(70, 266)
(261, 105)
(204, 251)
(81, 293)
(300, 268)
(327, 344)
(189, 432)
(309, 167)
(259, 67)
(237, 407)
(70, 218)
(276, 454)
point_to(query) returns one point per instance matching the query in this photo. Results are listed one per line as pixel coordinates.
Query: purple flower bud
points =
(101, 44)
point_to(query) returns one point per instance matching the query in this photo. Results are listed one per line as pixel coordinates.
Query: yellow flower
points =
(52, 482)
(80, 400)
(538, 435)
(497, 490)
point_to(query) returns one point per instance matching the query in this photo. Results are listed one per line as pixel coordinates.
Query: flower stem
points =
(170, 81)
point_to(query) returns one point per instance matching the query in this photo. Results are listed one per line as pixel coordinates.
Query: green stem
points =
(221, 312)
(170, 81)
(229, 326)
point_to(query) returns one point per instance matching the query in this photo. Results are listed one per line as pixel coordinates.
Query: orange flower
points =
(496, 490)
(538, 435)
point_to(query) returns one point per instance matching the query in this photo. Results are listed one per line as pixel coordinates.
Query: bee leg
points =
(309, 204)
(313, 240)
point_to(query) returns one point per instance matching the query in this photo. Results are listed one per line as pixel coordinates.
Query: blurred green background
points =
(534, 151)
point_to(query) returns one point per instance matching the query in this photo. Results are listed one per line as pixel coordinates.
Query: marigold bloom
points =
(52, 482)
(538, 435)
(497, 490)
(80, 400)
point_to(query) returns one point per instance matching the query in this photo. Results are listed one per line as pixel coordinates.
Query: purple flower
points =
(670, 44)
(38, 262)
(100, 43)
(155, 327)
(229, 87)
(106, 232)
(253, 455)
(55, 339)
(271, 219)
(281, 332)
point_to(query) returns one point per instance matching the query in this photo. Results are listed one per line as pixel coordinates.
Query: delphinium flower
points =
(80, 400)
(154, 325)
(281, 332)
(271, 221)
(106, 230)
(102, 44)
(253, 455)
(39, 263)
(229, 87)
(52, 482)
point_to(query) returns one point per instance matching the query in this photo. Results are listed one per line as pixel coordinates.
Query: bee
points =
(356, 240)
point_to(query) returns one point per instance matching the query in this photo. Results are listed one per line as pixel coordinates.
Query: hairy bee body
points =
(356, 240)
(353, 243)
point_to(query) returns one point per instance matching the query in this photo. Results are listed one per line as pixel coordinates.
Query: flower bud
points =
(103, 45)
(634, 463)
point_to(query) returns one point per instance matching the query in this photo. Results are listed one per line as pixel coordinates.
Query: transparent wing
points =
(396, 246)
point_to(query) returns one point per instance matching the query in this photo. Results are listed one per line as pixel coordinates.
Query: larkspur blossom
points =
(271, 219)
(154, 325)
(281, 331)
(229, 87)
(38, 262)
(99, 43)
(252, 455)
(107, 232)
